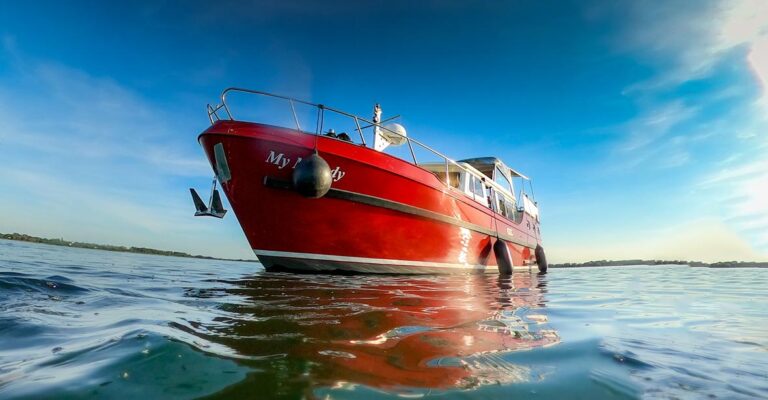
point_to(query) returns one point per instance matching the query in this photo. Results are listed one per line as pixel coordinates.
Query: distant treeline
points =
(601, 263)
(607, 263)
(139, 250)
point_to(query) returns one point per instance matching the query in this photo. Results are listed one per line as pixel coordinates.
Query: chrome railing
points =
(213, 116)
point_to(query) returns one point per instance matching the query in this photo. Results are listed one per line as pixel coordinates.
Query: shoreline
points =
(635, 263)
(21, 237)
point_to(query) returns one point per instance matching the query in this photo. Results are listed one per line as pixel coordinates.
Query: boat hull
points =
(382, 214)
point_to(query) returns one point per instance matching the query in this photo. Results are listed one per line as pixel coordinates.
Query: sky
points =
(642, 124)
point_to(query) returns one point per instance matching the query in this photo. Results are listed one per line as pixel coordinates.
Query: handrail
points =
(321, 108)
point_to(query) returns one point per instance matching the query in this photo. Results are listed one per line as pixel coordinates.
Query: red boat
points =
(321, 201)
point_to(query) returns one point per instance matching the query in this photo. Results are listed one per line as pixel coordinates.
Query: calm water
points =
(90, 324)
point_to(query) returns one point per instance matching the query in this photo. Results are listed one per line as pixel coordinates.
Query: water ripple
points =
(78, 323)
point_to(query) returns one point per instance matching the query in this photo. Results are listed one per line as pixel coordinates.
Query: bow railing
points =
(226, 113)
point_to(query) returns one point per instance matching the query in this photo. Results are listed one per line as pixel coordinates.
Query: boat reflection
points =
(385, 332)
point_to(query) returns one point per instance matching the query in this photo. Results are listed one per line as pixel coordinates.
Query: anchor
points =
(214, 207)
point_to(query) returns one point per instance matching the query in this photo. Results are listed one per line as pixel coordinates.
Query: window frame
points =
(509, 187)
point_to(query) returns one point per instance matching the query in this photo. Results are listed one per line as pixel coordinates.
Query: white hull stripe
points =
(365, 260)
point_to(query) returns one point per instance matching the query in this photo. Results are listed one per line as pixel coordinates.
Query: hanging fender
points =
(541, 258)
(312, 177)
(503, 257)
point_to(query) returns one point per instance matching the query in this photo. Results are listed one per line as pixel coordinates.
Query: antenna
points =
(392, 134)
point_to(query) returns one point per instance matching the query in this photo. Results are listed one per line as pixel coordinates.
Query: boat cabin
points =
(488, 181)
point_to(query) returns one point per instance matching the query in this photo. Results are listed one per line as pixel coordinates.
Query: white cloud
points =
(647, 129)
(741, 191)
(64, 112)
(746, 24)
(648, 140)
(685, 43)
(689, 41)
(48, 204)
(87, 158)
(735, 171)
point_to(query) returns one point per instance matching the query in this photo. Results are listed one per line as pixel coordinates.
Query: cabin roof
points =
(492, 161)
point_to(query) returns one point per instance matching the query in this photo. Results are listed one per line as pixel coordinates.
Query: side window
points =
(511, 209)
(478, 190)
(502, 180)
(455, 179)
(506, 206)
(502, 207)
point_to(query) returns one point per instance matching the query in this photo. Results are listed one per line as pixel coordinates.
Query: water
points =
(80, 323)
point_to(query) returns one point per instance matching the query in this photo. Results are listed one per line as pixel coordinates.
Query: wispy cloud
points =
(649, 140)
(689, 42)
(61, 111)
(715, 41)
(41, 202)
(89, 158)
(740, 189)
(648, 129)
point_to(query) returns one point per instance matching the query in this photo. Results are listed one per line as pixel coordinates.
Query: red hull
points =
(383, 214)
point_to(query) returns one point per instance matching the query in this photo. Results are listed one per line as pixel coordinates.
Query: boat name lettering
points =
(281, 161)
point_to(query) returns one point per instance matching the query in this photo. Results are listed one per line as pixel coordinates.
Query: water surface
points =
(78, 323)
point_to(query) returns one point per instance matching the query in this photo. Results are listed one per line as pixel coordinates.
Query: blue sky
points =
(643, 124)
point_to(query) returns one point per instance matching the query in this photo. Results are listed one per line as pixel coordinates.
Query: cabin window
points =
(455, 179)
(475, 188)
(506, 206)
(478, 187)
(465, 183)
(502, 180)
(511, 209)
(500, 200)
